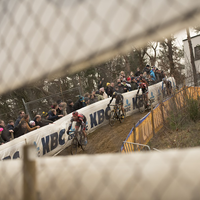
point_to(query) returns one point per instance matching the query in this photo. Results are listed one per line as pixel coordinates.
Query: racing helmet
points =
(114, 94)
(75, 114)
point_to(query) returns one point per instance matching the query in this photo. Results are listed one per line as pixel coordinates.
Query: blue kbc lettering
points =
(127, 106)
(55, 140)
(93, 118)
(15, 156)
(152, 97)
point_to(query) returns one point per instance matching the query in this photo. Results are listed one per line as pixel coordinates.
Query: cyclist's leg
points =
(115, 109)
(122, 105)
(83, 128)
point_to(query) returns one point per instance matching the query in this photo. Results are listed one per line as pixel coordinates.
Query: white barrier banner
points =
(52, 138)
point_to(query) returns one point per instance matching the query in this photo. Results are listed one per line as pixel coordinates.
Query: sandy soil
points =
(108, 139)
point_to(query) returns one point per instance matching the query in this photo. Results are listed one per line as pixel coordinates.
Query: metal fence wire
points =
(44, 39)
(43, 105)
(53, 38)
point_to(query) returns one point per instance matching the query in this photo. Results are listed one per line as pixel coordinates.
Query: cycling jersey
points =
(81, 121)
(143, 87)
(119, 99)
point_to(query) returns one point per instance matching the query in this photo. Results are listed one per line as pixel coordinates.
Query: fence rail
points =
(172, 110)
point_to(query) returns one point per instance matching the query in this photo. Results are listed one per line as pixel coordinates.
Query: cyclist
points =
(119, 101)
(143, 85)
(168, 86)
(80, 120)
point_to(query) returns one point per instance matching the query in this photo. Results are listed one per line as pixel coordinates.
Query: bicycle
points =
(116, 114)
(77, 141)
(142, 103)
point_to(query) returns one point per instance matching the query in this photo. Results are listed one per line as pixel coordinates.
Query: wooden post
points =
(161, 107)
(152, 120)
(135, 147)
(29, 171)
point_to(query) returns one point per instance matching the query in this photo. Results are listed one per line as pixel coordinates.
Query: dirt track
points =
(108, 139)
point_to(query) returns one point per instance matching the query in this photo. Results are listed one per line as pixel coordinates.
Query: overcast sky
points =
(182, 36)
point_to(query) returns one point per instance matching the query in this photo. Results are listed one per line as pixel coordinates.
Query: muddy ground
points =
(108, 139)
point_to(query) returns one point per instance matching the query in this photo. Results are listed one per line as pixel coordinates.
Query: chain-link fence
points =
(43, 105)
(159, 175)
(49, 38)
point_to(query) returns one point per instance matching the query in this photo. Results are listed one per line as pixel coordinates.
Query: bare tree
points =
(153, 47)
(192, 57)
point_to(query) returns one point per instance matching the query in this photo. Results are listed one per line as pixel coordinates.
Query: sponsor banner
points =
(52, 138)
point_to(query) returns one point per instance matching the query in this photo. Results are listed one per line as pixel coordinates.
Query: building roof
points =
(192, 37)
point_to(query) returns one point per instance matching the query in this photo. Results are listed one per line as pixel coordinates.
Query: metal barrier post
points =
(161, 107)
(134, 133)
(29, 171)
(152, 120)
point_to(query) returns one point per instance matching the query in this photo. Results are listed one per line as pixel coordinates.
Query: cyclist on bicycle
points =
(168, 85)
(119, 101)
(80, 120)
(143, 85)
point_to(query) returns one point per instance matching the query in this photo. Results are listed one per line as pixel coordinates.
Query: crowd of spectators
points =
(124, 83)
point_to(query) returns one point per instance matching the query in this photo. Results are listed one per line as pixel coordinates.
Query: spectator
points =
(100, 84)
(26, 119)
(59, 102)
(125, 87)
(87, 94)
(54, 106)
(1, 139)
(132, 74)
(70, 105)
(103, 93)
(121, 75)
(93, 97)
(128, 83)
(147, 69)
(21, 129)
(41, 122)
(99, 96)
(137, 73)
(112, 85)
(162, 74)
(61, 110)
(80, 103)
(52, 115)
(10, 125)
(145, 75)
(21, 115)
(134, 84)
(119, 88)
(152, 74)
(158, 75)
(6, 134)
(32, 124)
(63, 107)
(87, 101)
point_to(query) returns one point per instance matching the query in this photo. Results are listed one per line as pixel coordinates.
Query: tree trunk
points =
(192, 57)
(127, 65)
(170, 56)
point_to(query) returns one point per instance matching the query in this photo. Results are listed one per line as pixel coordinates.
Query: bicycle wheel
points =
(74, 146)
(112, 118)
(82, 142)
